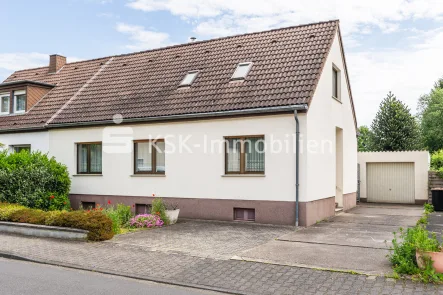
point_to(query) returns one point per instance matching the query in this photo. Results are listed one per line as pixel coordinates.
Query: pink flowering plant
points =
(146, 221)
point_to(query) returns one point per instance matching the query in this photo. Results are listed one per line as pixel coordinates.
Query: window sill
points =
(77, 175)
(148, 175)
(243, 175)
(338, 100)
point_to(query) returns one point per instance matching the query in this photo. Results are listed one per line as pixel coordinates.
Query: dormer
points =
(18, 97)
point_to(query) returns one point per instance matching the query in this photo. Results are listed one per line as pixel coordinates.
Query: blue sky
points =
(393, 45)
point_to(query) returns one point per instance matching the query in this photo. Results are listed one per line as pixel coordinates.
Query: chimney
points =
(56, 62)
(192, 39)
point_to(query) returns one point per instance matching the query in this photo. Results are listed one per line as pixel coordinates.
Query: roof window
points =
(189, 78)
(242, 71)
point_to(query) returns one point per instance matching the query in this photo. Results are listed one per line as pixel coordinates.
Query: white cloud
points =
(143, 39)
(408, 73)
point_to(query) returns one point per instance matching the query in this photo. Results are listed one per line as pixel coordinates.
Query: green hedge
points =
(97, 223)
(34, 180)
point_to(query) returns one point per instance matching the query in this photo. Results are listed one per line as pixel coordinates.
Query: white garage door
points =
(391, 182)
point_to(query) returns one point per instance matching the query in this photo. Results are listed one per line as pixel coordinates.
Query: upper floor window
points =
(149, 156)
(89, 158)
(20, 101)
(4, 103)
(336, 82)
(245, 155)
(189, 78)
(242, 71)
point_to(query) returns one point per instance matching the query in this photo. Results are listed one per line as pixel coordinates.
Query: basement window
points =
(4, 103)
(142, 209)
(88, 205)
(189, 78)
(242, 71)
(243, 214)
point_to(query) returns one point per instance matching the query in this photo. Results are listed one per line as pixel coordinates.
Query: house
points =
(179, 122)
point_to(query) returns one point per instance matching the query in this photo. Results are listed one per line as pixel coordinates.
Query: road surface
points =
(18, 277)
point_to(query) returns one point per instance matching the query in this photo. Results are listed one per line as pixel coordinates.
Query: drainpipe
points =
(297, 164)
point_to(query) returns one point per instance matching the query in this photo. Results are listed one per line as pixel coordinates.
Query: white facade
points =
(39, 141)
(325, 115)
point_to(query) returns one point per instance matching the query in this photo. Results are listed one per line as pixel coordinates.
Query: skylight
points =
(242, 71)
(189, 78)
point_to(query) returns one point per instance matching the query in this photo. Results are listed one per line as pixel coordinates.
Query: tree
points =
(394, 128)
(423, 101)
(432, 121)
(364, 139)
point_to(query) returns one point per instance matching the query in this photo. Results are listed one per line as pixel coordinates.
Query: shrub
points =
(437, 162)
(159, 208)
(34, 180)
(119, 215)
(146, 221)
(97, 223)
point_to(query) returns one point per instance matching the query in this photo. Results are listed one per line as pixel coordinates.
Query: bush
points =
(34, 180)
(146, 221)
(407, 243)
(437, 162)
(97, 223)
(159, 208)
(120, 216)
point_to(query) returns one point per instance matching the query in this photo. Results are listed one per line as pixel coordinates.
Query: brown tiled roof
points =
(286, 66)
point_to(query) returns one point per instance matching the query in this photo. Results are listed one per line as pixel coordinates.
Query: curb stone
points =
(145, 278)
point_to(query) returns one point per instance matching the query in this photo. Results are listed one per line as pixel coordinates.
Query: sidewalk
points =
(230, 276)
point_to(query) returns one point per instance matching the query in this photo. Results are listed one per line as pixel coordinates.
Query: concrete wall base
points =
(266, 212)
(349, 201)
(312, 212)
(43, 231)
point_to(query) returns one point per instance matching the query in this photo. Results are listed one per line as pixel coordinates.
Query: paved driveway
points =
(357, 240)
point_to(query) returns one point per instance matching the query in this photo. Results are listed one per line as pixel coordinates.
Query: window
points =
(245, 155)
(19, 148)
(244, 214)
(149, 156)
(19, 101)
(242, 71)
(88, 205)
(4, 103)
(335, 82)
(142, 209)
(89, 158)
(189, 78)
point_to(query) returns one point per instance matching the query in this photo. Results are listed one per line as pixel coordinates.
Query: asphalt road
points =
(17, 277)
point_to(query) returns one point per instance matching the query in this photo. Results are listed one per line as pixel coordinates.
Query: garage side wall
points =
(419, 159)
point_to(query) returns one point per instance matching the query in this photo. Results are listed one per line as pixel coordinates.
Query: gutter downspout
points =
(297, 164)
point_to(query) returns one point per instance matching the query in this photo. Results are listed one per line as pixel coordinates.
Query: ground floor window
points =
(149, 156)
(20, 148)
(245, 155)
(89, 158)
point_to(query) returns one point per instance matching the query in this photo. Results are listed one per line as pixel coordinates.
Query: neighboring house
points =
(242, 89)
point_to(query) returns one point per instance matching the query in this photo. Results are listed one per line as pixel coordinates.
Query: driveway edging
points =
(106, 272)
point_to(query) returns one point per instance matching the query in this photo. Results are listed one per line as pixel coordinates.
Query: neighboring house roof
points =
(287, 64)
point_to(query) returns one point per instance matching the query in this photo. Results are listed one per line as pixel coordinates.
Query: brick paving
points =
(238, 277)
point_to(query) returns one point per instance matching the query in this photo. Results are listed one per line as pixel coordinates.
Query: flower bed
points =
(146, 221)
(97, 223)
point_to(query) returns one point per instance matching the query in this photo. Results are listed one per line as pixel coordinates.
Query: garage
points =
(391, 183)
(393, 177)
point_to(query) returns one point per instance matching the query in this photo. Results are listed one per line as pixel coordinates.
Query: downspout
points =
(297, 164)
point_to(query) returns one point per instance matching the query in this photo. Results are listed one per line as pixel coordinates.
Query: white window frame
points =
(6, 94)
(242, 64)
(195, 73)
(335, 68)
(13, 147)
(17, 93)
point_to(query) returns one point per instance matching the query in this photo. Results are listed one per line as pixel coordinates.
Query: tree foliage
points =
(394, 128)
(432, 121)
(364, 139)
